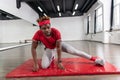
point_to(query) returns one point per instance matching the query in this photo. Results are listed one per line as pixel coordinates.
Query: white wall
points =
(25, 12)
(16, 30)
(101, 36)
(105, 36)
(12, 31)
(71, 27)
(91, 36)
(114, 37)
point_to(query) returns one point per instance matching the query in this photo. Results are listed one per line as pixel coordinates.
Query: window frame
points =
(98, 16)
(116, 26)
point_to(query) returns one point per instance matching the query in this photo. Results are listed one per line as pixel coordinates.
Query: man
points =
(51, 38)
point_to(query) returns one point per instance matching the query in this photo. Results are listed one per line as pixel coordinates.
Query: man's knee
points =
(44, 66)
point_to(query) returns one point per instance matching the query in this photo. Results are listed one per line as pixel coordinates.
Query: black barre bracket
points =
(18, 3)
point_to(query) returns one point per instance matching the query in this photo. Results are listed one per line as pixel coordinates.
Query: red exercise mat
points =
(73, 66)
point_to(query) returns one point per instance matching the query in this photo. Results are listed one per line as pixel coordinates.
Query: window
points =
(89, 20)
(116, 20)
(99, 19)
(89, 24)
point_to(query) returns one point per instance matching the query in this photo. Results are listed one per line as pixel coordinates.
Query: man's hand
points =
(35, 68)
(60, 66)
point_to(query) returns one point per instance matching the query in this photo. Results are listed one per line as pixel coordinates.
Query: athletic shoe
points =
(99, 61)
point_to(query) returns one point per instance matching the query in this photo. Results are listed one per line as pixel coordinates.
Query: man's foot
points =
(99, 61)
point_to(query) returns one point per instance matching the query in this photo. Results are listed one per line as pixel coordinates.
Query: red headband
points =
(41, 23)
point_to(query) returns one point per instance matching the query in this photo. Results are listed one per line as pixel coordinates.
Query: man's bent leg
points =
(47, 58)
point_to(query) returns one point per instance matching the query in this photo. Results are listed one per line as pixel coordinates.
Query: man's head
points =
(44, 24)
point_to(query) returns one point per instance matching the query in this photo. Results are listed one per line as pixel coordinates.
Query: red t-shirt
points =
(48, 42)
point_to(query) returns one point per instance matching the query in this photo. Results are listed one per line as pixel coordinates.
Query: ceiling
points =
(67, 8)
(6, 16)
(59, 8)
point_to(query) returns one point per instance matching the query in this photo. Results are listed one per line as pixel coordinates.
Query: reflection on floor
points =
(2, 45)
(10, 59)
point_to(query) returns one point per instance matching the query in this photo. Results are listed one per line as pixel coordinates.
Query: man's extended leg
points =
(69, 49)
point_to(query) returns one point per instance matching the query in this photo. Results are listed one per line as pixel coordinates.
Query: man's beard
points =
(48, 34)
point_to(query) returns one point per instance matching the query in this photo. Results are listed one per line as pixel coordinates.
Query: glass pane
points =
(89, 24)
(99, 11)
(89, 18)
(117, 16)
(99, 23)
(116, 2)
(90, 29)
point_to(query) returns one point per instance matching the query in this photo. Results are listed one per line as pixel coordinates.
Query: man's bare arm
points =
(34, 55)
(58, 46)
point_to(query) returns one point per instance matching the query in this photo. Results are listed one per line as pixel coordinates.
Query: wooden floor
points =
(10, 59)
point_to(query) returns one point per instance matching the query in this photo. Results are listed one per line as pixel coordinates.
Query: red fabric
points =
(48, 42)
(41, 23)
(73, 66)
